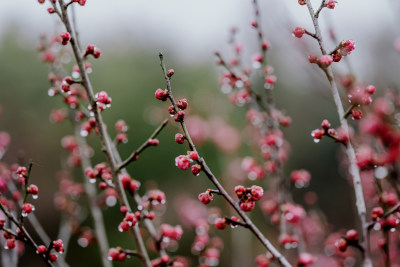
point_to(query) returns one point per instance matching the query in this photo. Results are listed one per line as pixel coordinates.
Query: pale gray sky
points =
(197, 27)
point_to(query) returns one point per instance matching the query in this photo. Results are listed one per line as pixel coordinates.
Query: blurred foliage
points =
(131, 78)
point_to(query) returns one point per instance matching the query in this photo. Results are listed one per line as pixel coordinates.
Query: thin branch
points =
(316, 15)
(354, 170)
(277, 255)
(105, 139)
(90, 189)
(24, 234)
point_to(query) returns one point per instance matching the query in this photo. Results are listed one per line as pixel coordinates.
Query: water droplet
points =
(252, 176)
(239, 84)
(35, 196)
(83, 242)
(111, 201)
(316, 140)
(51, 92)
(109, 258)
(377, 226)
(120, 229)
(268, 86)
(381, 172)
(163, 201)
(256, 65)
(92, 180)
(226, 89)
(75, 75)
(84, 133)
(392, 230)
(5, 246)
(24, 214)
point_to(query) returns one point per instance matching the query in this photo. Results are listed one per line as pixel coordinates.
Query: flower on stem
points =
(289, 241)
(293, 213)
(81, 2)
(174, 233)
(220, 223)
(299, 32)
(41, 249)
(330, 4)
(262, 260)
(305, 259)
(33, 190)
(27, 208)
(300, 178)
(325, 61)
(377, 213)
(196, 169)
(356, 114)
(65, 38)
(170, 72)
(10, 244)
(206, 197)
(302, 2)
(161, 94)
(182, 104)
(103, 100)
(182, 162)
(58, 246)
(180, 138)
(116, 254)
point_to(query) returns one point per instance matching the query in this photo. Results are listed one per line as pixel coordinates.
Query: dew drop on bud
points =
(256, 65)
(111, 201)
(51, 92)
(75, 75)
(84, 133)
(381, 172)
(316, 140)
(83, 242)
(35, 196)
(239, 84)
(120, 229)
(377, 226)
(226, 89)
(109, 258)
(24, 214)
(268, 86)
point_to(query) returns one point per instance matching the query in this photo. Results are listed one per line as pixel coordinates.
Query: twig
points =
(354, 170)
(105, 139)
(24, 234)
(98, 220)
(277, 255)
(136, 153)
